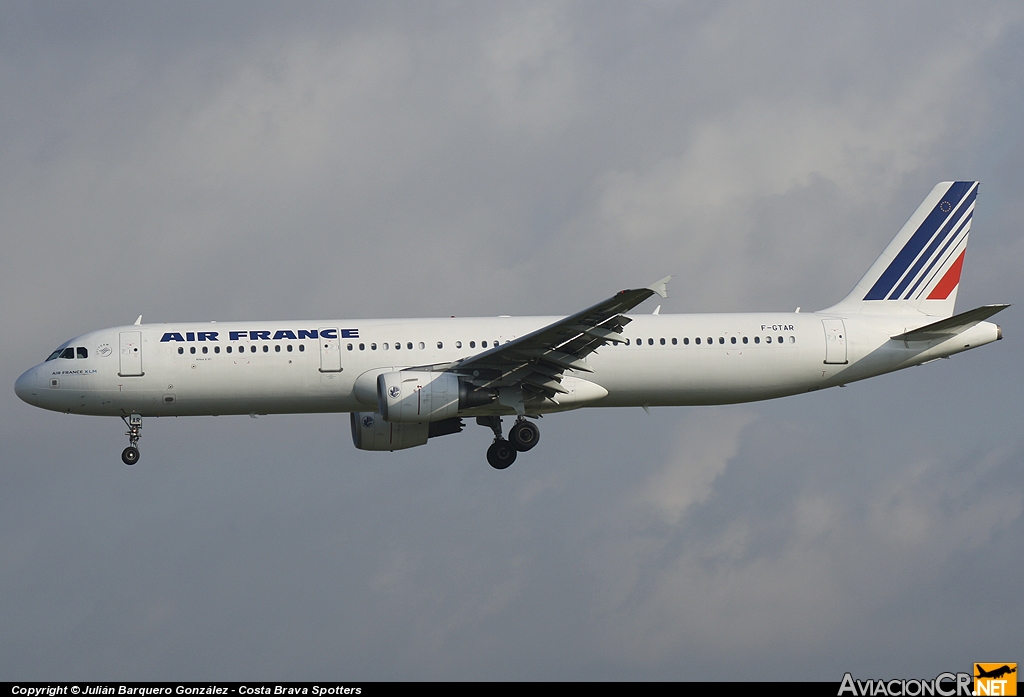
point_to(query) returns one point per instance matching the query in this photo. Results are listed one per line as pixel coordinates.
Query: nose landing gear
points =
(130, 455)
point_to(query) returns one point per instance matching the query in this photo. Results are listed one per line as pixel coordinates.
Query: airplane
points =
(995, 672)
(405, 381)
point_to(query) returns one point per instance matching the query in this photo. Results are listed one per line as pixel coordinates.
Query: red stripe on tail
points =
(949, 281)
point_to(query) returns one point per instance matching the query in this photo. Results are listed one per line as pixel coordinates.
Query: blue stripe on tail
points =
(941, 256)
(891, 276)
(947, 228)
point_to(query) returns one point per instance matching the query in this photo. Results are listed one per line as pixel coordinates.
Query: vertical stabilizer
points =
(919, 272)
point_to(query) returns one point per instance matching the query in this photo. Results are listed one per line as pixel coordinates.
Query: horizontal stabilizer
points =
(951, 326)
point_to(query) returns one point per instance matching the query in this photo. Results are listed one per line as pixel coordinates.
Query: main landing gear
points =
(521, 437)
(130, 455)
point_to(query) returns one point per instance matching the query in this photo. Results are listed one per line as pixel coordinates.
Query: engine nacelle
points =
(413, 396)
(371, 432)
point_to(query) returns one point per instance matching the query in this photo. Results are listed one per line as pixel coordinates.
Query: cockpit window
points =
(82, 352)
(69, 352)
(54, 354)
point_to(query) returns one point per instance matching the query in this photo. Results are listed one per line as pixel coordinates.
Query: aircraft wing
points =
(951, 326)
(536, 361)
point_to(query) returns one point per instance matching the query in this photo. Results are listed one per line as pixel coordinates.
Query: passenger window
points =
(229, 349)
(697, 341)
(721, 339)
(744, 340)
(216, 349)
(732, 339)
(781, 339)
(290, 348)
(409, 346)
(458, 344)
(440, 345)
(349, 347)
(362, 347)
(206, 349)
(192, 349)
(252, 348)
(181, 350)
(767, 340)
(422, 345)
(68, 353)
(302, 347)
(277, 348)
(483, 344)
(710, 340)
(674, 341)
(792, 339)
(662, 342)
(686, 341)
(373, 347)
(385, 346)
(266, 349)
(757, 340)
(397, 346)
(472, 344)
(650, 342)
(82, 352)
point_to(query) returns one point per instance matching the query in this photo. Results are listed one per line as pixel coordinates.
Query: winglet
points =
(138, 321)
(661, 287)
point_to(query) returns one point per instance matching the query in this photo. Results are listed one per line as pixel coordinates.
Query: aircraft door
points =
(835, 341)
(330, 350)
(131, 354)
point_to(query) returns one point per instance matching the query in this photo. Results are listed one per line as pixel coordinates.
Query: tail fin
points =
(919, 272)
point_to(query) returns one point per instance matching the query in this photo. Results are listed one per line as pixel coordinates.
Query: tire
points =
(524, 435)
(501, 454)
(130, 455)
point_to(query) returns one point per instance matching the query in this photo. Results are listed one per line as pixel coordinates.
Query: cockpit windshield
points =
(69, 352)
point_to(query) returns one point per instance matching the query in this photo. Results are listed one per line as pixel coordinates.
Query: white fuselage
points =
(296, 367)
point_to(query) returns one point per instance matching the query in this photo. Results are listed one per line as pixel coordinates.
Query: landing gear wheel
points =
(524, 435)
(501, 454)
(130, 455)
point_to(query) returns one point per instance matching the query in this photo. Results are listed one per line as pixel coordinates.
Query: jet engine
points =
(371, 432)
(413, 396)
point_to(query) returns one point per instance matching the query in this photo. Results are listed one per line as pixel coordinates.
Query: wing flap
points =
(536, 361)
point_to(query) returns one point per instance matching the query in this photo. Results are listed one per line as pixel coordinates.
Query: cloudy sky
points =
(197, 161)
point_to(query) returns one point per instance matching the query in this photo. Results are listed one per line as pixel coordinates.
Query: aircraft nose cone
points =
(27, 386)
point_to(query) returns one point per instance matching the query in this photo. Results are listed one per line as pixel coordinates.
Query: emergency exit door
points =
(131, 354)
(835, 341)
(330, 351)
